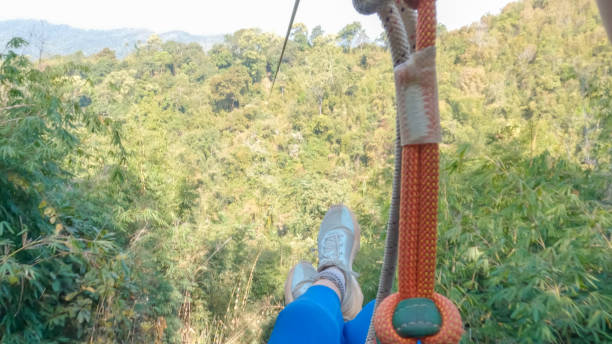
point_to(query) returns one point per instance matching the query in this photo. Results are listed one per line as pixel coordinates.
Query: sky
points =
(206, 17)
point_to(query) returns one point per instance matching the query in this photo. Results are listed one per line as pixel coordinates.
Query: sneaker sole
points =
(355, 308)
(356, 239)
(289, 281)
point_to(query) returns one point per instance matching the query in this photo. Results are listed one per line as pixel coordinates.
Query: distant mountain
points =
(54, 39)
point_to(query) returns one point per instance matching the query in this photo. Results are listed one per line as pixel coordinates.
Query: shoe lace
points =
(332, 246)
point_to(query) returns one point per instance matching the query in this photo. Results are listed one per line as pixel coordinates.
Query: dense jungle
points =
(162, 197)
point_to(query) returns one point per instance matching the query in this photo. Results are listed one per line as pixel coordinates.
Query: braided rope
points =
(426, 25)
(410, 22)
(392, 19)
(409, 222)
(389, 14)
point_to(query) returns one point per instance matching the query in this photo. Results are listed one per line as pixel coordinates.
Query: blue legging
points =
(315, 317)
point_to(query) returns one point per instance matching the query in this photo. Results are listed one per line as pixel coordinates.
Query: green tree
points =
(316, 32)
(58, 254)
(221, 56)
(349, 34)
(229, 88)
(299, 35)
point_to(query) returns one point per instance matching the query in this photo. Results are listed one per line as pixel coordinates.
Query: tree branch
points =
(16, 119)
(14, 107)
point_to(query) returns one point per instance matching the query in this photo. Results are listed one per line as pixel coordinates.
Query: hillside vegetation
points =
(163, 197)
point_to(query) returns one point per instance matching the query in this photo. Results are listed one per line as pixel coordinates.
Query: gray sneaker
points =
(338, 243)
(299, 279)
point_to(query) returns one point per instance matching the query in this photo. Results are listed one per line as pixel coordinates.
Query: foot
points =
(300, 278)
(338, 244)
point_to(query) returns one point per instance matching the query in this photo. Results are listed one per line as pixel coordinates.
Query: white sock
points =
(336, 276)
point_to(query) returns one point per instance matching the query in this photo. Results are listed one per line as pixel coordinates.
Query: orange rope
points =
(419, 193)
(426, 24)
(418, 220)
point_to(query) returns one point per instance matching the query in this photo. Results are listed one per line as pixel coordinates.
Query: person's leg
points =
(326, 325)
(356, 330)
(325, 298)
(314, 317)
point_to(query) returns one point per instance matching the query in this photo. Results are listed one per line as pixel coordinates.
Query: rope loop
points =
(368, 6)
(450, 331)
